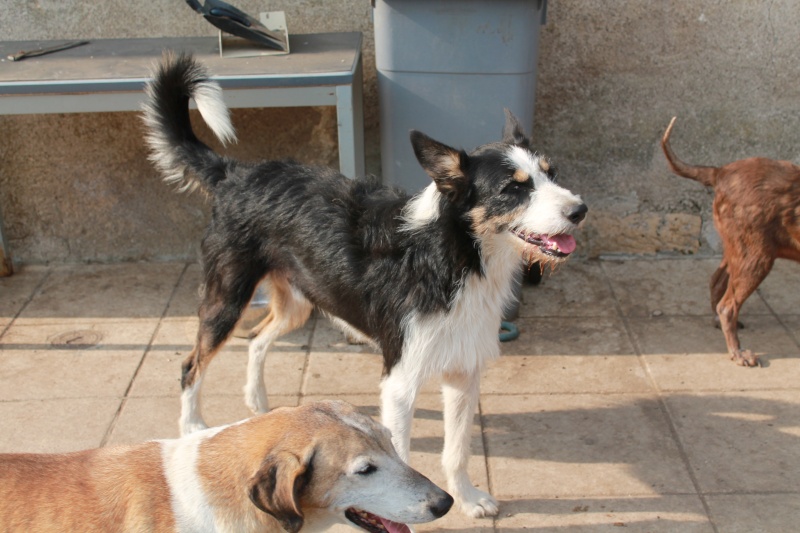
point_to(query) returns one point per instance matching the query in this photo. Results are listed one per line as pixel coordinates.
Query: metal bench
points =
(109, 75)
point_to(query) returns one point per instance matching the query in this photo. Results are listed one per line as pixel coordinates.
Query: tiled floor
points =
(616, 408)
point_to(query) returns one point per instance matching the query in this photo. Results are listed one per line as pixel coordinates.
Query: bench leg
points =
(350, 120)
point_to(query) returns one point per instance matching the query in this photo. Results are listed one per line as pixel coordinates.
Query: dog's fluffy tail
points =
(173, 146)
(705, 175)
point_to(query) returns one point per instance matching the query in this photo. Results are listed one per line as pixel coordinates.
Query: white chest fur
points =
(466, 337)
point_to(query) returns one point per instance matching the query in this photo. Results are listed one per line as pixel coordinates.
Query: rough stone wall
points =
(78, 187)
(612, 74)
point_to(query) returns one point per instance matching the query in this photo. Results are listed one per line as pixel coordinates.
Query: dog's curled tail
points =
(705, 175)
(173, 145)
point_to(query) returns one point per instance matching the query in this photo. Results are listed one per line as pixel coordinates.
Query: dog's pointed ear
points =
(512, 131)
(447, 166)
(276, 488)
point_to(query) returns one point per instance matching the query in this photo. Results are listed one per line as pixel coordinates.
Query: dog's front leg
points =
(191, 418)
(255, 391)
(461, 392)
(398, 395)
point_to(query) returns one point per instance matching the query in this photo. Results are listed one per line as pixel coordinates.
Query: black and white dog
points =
(425, 278)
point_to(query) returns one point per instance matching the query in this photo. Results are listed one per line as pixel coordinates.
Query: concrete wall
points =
(611, 75)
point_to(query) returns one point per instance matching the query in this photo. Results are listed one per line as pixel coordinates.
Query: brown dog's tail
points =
(705, 175)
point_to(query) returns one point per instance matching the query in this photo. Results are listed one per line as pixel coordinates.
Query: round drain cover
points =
(77, 340)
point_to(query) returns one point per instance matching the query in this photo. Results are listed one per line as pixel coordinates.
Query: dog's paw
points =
(745, 358)
(478, 504)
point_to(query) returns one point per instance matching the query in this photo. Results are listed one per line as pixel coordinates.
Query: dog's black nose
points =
(576, 213)
(443, 504)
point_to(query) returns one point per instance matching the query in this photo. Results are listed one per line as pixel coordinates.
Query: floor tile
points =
(749, 513)
(592, 420)
(227, 372)
(73, 359)
(781, 289)
(589, 445)
(566, 355)
(157, 417)
(688, 353)
(130, 290)
(335, 366)
(792, 323)
(577, 288)
(17, 290)
(186, 299)
(668, 287)
(667, 514)
(743, 441)
(55, 426)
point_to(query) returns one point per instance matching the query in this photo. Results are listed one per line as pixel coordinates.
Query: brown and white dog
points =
(295, 469)
(757, 214)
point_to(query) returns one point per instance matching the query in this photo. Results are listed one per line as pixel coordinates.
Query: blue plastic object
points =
(508, 331)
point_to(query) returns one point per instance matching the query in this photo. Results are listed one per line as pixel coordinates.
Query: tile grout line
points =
(124, 400)
(650, 495)
(777, 316)
(662, 401)
(36, 290)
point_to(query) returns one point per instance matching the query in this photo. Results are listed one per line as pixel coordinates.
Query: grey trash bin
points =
(448, 68)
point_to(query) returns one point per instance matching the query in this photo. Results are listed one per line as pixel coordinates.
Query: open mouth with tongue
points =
(374, 523)
(553, 245)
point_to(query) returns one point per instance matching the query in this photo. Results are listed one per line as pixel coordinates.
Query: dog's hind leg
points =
(228, 288)
(461, 393)
(288, 310)
(718, 286)
(746, 275)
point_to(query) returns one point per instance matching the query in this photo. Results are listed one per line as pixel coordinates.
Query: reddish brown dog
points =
(757, 214)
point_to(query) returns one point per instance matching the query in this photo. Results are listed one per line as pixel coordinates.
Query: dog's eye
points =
(367, 470)
(516, 187)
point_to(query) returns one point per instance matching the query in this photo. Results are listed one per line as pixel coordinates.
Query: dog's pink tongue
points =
(566, 243)
(394, 527)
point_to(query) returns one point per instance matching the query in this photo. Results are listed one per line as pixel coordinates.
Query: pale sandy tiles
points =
(792, 324)
(161, 370)
(186, 299)
(781, 289)
(17, 290)
(668, 287)
(688, 353)
(150, 418)
(573, 419)
(127, 290)
(653, 514)
(741, 441)
(73, 358)
(587, 445)
(566, 355)
(574, 289)
(751, 513)
(51, 426)
(338, 367)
